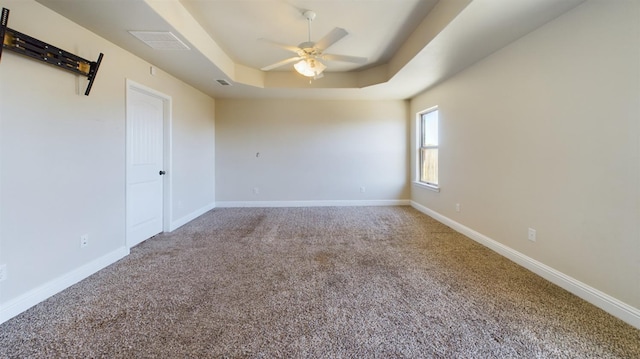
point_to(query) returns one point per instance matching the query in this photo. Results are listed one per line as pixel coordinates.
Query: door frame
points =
(167, 129)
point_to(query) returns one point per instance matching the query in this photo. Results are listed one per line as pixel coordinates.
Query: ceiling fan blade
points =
(281, 63)
(344, 58)
(331, 38)
(294, 49)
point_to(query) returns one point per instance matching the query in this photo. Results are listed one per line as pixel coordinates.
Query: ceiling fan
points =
(309, 54)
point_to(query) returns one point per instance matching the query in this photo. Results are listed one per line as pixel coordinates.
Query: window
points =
(428, 148)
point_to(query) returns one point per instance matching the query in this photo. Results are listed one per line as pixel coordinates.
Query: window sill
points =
(427, 186)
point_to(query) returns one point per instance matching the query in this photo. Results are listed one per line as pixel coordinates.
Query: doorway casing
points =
(167, 193)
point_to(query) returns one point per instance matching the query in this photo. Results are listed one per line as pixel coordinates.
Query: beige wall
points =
(545, 134)
(311, 150)
(62, 168)
(542, 134)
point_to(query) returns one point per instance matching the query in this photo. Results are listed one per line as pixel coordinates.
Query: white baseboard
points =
(600, 299)
(18, 305)
(336, 203)
(190, 217)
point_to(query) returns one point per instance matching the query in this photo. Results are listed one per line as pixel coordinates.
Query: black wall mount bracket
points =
(28, 46)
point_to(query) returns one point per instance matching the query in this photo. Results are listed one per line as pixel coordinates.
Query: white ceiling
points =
(236, 26)
(410, 44)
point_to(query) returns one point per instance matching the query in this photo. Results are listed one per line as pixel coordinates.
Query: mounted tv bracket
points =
(28, 46)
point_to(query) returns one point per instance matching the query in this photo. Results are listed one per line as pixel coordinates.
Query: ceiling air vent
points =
(223, 82)
(160, 40)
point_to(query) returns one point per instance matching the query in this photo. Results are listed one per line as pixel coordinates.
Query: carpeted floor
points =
(361, 282)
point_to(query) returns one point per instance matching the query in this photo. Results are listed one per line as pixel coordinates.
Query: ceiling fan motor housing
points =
(309, 15)
(309, 48)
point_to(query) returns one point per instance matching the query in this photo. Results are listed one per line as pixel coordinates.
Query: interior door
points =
(144, 168)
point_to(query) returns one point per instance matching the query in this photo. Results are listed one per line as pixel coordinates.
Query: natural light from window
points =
(428, 151)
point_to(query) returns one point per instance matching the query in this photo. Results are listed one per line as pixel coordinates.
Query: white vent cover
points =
(160, 40)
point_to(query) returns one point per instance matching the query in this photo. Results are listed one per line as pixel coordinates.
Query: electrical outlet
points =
(3, 272)
(532, 235)
(363, 189)
(457, 207)
(84, 240)
(256, 190)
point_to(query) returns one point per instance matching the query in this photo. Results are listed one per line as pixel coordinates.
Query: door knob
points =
(161, 173)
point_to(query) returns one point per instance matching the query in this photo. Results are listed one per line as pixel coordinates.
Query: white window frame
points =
(420, 128)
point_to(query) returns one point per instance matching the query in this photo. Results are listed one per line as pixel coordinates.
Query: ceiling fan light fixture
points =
(309, 67)
(309, 53)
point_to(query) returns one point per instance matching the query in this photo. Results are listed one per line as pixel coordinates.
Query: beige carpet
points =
(372, 282)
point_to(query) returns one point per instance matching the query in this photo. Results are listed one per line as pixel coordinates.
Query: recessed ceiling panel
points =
(375, 28)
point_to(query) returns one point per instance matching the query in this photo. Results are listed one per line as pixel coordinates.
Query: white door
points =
(144, 171)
